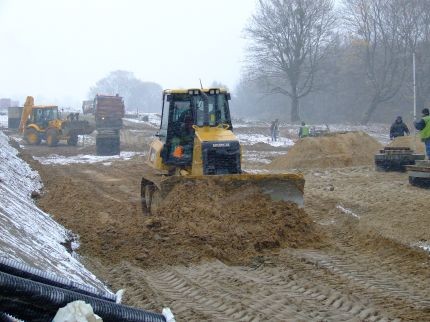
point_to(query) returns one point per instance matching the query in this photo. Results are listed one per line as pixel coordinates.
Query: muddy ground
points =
(350, 256)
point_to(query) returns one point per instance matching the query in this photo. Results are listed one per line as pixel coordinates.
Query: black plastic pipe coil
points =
(6, 318)
(13, 267)
(43, 301)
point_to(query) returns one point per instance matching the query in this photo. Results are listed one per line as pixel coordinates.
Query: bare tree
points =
(289, 38)
(117, 82)
(218, 84)
(384, 31)
(420, 45)
(138, 95)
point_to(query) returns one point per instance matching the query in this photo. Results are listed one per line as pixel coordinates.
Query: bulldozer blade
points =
(287, 187)
(285, 190)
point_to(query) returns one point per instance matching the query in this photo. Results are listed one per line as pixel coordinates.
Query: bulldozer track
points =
(216, 292)
(281, 294)
(375, 280)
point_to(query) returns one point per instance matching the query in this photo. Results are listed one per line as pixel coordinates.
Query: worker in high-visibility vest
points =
(304, 130)
(423, 126)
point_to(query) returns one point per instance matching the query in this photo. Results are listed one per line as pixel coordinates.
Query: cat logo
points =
(220, 145)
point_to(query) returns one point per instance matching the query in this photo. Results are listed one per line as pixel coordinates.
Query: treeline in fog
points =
(139, 96)
(309, 60)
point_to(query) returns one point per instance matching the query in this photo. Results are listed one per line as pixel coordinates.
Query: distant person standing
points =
(398, 128)
(304, 130)
(423, 126)
(274, 130)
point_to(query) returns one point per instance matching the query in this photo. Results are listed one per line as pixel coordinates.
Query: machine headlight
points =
(193, 92)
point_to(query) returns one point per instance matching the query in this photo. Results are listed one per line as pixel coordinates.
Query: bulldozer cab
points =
(183, 111)
(43, 115)
(196, 144)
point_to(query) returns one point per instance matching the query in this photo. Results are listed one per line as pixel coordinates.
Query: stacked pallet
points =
(396, 158)
(419, 174)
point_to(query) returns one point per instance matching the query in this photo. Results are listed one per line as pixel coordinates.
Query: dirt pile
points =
(332, 151)
(197, 222)
(411, 142)
(232, 224)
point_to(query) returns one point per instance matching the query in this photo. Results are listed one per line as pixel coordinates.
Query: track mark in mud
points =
(279, 294)
(368, 277)
(217, 292)
(97, 176)
(189, 301)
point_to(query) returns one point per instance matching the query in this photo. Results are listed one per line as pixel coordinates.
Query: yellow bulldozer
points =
(43, 122)
(196, 142)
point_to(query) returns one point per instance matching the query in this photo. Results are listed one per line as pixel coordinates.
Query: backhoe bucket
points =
(78, 127)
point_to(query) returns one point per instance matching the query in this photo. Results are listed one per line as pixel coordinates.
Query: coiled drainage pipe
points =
(13, 267)
(34, 301)
(6, 318)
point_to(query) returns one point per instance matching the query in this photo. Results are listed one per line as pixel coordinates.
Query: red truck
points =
(108, 112)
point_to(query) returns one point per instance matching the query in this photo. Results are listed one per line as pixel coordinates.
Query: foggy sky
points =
(56, 49)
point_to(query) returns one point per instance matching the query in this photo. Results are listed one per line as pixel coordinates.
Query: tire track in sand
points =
(280, 294)
(217, 292)
(373, 274)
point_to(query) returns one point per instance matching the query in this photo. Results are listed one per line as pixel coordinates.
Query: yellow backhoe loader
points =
(196, 142)
(43, 123)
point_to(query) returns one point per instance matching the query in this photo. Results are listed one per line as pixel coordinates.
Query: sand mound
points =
(197, 221)
(203, 220)
(411, 142)
(337, 150)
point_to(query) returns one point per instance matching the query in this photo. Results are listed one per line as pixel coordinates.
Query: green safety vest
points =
(305, 131)
(425, 132)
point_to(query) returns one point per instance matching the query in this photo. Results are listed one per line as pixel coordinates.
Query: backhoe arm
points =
(28, 106)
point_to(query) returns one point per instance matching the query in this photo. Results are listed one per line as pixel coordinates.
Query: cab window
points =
(164, 119)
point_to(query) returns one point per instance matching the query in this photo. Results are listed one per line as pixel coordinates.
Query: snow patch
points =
(3, 121)
(81, 158)
(85, 140)
(27, 234)
(347, 211)
(153, 119)
(249, 139)
(263, 157)
(424, 245)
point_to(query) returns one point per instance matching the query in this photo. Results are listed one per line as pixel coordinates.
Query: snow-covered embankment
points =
(27, 234)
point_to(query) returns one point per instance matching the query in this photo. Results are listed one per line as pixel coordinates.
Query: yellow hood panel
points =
(208, 133)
